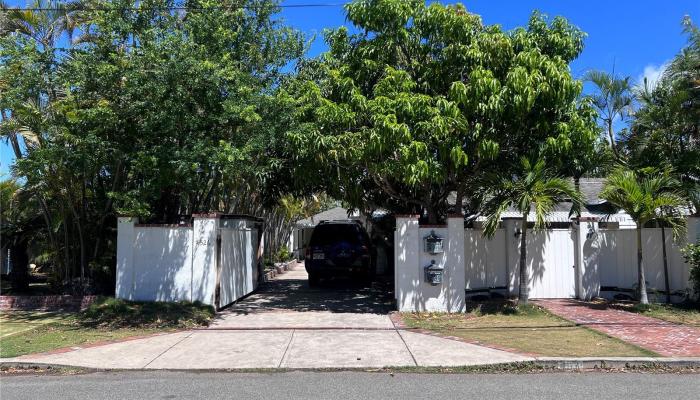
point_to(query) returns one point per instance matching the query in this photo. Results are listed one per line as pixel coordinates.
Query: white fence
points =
(582, 261)
(492, 264)
(615, 253)
(215, 260)
(608, 267)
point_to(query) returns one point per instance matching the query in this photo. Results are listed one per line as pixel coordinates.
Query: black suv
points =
(339, 248)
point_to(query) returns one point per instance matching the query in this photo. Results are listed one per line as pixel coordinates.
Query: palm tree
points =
(536, 189)
(654, 196)
(613, 100)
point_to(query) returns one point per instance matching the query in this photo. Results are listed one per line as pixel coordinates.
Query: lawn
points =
(109, 319)
(686, 313)
(529, 329)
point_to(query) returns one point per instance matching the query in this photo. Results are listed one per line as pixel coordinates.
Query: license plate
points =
(319, 256)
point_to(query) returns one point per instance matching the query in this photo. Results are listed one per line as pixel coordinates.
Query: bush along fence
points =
(583, 261)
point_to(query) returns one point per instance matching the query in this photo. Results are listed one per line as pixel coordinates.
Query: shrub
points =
(283, 255)
(109, 312)
(691, 253)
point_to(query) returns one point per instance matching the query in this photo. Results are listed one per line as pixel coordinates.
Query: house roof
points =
(336, 213)
(590, 190)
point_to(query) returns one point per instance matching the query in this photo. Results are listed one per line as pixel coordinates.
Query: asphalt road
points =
(350, 385)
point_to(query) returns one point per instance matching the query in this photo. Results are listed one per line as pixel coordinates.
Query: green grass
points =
(527, 329)
(107, 319)
(685, 313)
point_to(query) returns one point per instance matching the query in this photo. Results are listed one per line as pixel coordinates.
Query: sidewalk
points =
(279, 348)
(661, 337)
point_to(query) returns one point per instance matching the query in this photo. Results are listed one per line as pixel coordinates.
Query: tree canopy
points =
(140, 108)
(424, 98)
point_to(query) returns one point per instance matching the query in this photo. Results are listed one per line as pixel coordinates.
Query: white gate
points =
(550, 259)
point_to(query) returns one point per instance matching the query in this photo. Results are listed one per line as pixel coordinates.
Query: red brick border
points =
(45, 303)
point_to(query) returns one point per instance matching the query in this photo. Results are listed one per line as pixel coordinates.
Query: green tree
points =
(153, 111)
(665, 131)
(535, 190)
(653, 196)
(426, 98)
(613, 100)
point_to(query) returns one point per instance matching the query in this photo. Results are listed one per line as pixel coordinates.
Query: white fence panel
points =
(486, 260)
(162, 264)
(238, 263)
(550, 259)
(617, 259)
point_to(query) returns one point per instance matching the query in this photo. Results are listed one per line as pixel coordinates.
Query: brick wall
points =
(45, 303)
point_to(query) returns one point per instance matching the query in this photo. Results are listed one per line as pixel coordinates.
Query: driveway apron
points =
(287, 324)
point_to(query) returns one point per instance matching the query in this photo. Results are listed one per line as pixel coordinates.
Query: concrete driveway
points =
(287, 324)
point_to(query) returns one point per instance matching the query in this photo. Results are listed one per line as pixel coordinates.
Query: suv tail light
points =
(308, 253)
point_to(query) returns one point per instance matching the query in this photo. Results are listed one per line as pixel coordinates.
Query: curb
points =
(584, 363)
(541, 364)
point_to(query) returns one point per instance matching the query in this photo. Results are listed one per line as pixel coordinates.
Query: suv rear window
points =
(333, 233)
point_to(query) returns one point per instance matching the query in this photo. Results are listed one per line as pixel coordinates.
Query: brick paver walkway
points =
(661, 337)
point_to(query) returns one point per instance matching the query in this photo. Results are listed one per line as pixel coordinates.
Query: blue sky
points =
(637, 37)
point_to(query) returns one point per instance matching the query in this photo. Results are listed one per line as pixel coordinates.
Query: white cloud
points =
(652, 73)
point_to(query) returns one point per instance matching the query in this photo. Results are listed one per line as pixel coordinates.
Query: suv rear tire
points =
(314, 280)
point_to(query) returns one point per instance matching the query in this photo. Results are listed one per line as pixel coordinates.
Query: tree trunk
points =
(459, 206)
(523, 285)
(19, 275)
(666, 277)
(611, 134)
(641, 284)
(432, 214)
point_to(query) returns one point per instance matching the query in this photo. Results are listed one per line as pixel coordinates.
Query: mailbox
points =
(433, 274)
(433, 243)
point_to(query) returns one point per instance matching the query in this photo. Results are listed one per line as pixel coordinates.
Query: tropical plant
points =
(424, 99)
(691, 254)
(614, 101)
(646, 196)
(534, 190)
